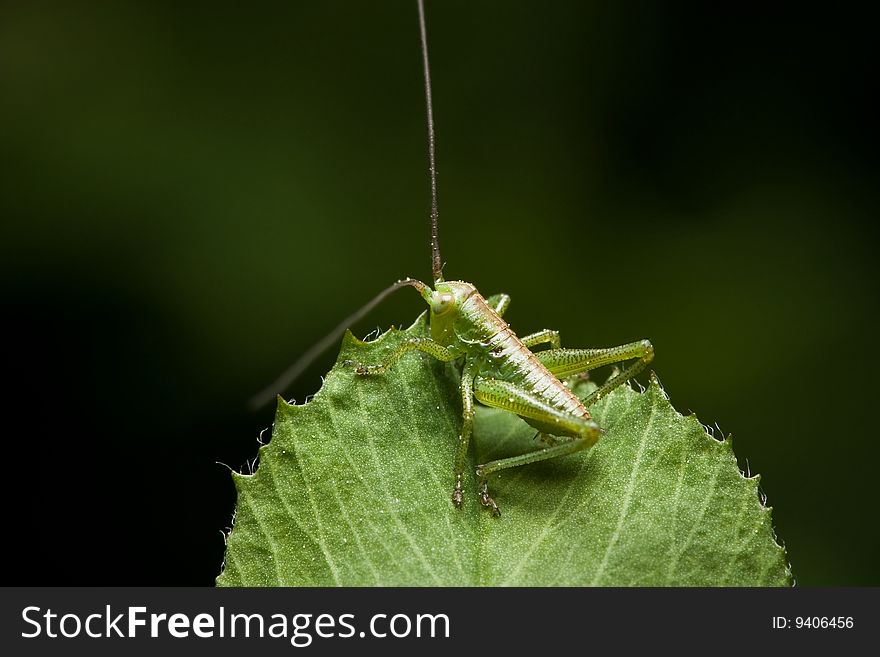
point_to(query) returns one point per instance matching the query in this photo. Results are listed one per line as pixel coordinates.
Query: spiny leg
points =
(499, 303)
(568, 362)
(427, 345)
(547, 336)
(582, 432)
(467, 427)
(561, 449)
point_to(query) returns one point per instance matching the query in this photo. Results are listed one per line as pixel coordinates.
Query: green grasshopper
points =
(498, 369)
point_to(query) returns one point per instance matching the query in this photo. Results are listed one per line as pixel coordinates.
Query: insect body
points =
(498, 368)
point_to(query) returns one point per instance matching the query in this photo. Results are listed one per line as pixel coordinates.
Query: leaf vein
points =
(269, 537)
(627, 498)
(392, 513)
(673, 562)
(322, 541)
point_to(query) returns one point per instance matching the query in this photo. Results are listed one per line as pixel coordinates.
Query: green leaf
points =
(355, 489)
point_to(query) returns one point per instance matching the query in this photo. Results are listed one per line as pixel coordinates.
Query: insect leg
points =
(499, 303)
(567, 362)
(467, 427)
(582, 432)
(547, 336)
(427, 345)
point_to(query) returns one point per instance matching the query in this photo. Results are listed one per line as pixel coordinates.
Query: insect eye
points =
(441, 303)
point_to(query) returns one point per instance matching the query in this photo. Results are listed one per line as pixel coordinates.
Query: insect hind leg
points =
(568, 362)
(558, 449)
(571, 432)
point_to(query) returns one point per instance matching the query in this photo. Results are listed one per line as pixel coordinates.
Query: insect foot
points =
(456, 494)
(485, 499)
(359, 368)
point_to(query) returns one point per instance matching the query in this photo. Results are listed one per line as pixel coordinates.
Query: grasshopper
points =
(498, 368)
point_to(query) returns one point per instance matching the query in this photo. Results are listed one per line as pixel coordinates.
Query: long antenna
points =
(292, 373)
(436, 262)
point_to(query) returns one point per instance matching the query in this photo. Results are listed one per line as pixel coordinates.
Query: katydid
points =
(498, 369)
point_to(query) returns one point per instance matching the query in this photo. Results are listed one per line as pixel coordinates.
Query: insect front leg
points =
(426, 345)
(568, 362)
(576, 432)
(467, 427)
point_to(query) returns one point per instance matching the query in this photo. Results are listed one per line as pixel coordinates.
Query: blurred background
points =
(192, 194)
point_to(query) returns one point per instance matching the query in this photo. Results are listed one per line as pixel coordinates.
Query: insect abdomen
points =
(508, 359)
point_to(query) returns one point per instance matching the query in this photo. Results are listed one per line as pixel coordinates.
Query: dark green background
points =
(192, 195)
